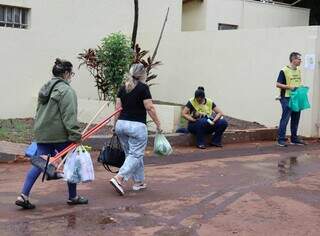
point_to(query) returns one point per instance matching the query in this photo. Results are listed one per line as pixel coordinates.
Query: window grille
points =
(15, 17)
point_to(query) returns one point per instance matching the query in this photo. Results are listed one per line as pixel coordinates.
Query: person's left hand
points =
(159, 130)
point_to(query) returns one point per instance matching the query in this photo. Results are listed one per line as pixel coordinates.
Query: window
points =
(227, 27)
(1, 16)
(16, 17)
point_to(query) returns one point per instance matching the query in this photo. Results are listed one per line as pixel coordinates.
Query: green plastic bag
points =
(161, 145)
(299, 99)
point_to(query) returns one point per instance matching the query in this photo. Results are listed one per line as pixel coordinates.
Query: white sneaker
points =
(117, 186)
(139, 186)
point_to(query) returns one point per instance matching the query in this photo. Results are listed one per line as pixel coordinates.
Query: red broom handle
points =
(85, 136)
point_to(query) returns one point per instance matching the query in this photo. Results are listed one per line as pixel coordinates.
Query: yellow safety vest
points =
(202, 109)
(293, 78)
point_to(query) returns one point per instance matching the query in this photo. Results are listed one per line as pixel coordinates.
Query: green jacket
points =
(56, 117)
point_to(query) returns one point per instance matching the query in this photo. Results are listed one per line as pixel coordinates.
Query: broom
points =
(47, 166)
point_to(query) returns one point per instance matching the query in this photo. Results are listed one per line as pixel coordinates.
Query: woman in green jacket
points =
(55, 127)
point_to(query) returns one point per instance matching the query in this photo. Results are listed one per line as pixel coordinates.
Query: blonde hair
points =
(136, 73)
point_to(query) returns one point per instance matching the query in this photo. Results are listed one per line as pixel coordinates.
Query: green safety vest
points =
(203, 109)
(293, 78)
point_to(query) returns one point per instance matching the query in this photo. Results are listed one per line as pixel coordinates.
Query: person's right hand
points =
(159, 130)
(79, 141)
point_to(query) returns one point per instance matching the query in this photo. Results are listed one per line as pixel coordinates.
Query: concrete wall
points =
(238, 69)
(62, 29)
(246, 14)
(315, 75)
(169, 115)
(194, 16)
(259, 15)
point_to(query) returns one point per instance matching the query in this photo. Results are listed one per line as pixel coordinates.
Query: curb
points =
(233, 136)
(10, 152)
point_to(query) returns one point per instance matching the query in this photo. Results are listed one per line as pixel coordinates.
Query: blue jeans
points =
(133, 137)
(34, 172)
(287, 113)
(201, 128)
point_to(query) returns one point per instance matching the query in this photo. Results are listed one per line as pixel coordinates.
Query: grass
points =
(16, 130)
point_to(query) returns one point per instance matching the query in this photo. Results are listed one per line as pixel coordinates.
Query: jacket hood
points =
(45, 91)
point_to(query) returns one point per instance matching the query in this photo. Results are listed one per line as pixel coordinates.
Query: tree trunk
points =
(160, 37)
(135, 23)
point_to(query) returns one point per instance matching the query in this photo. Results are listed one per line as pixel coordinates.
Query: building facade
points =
(238, 68)
(210, 15)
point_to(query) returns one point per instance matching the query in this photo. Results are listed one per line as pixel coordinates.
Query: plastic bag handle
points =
(108, 169)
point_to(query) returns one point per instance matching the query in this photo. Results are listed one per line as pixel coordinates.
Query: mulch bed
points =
(21, 130)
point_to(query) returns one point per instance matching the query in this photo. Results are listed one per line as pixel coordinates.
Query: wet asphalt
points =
(243, 189)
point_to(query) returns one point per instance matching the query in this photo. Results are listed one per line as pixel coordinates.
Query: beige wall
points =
(315, 113)
(238, 69)
(259, 15)
(224, 11)
(169, 115)
(246, 14)
(194, 16)
(63, 28)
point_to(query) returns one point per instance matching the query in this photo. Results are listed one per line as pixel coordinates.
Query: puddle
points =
(172, 231)
(289, 167)
(82, 220)
(296, 166)
(286, 165)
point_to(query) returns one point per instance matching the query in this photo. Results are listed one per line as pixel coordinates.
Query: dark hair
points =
(293, 56)
(199, 93)
(61, 66)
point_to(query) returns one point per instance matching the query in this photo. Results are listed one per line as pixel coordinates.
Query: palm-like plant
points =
(148, 63)
(108, 64)
(94, 66)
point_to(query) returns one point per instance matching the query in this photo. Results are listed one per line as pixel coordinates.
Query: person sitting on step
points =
(204, 118)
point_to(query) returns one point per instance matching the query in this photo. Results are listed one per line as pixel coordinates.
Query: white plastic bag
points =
(86, 169)
(78, 166)
(71, 169)
(161, 145)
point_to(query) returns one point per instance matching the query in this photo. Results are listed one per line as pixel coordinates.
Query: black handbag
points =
(112, 154)
(48, 169)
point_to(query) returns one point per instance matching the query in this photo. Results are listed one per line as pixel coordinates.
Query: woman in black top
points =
(136, 101)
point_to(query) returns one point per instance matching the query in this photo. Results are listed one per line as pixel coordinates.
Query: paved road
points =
(247, 189)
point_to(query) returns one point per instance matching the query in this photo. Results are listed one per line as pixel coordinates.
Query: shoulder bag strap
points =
(108, 169)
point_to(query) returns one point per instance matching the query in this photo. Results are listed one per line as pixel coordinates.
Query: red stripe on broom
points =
(85, 136)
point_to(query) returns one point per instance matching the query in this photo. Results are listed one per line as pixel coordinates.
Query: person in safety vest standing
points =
(288, 80)
(199, 112)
